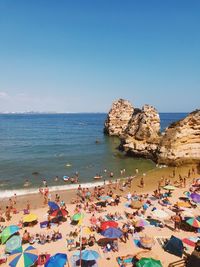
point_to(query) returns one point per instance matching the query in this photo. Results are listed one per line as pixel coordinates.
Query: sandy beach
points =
(151, 179)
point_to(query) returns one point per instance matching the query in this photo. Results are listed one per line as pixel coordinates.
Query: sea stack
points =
(139, 132)
(118, 117)
(180, 143)
(142, 135)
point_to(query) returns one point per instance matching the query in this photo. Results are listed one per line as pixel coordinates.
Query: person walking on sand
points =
(177, 222)
(142, 182)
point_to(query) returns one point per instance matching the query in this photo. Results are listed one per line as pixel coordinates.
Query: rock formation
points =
(118, 117)
(180, 142)
(139, 131)
(142, 136)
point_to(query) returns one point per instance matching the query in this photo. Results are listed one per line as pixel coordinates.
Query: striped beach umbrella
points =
(7, 232)
(59, 213)
(23, 258)
(193, 222)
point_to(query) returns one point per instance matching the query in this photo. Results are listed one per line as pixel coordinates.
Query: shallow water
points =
(52, 145)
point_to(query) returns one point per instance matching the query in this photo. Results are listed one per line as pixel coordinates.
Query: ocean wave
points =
(23, 192)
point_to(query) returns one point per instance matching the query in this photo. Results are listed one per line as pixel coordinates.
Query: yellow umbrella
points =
(86, 230)
(183, 204)
(30, 218)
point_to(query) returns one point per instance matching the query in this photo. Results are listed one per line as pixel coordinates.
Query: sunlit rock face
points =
(142, 135)
(118, 117)
(180, 143)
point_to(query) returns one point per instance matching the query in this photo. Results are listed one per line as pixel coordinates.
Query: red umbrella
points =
(59, 213)
(108, 224)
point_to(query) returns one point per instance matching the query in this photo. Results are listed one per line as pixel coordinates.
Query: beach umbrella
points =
(13, 243)
(195, 197)
(136, 204)
(160, 214)
(146, 241)
(30, 218)
(142, 223)
(23, 258)
(7, 232)
(59, 213)
(87, 255)
(77, 217)
(174, 246)
(86, 230)
(58, 260)
(112, 233)
(193, 222)
(107, 224)
(53, 205)
(148, 262)
(183, 204)
(169, 187)
(190, 241)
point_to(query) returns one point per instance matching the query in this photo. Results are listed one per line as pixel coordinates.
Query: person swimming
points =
(26, 183)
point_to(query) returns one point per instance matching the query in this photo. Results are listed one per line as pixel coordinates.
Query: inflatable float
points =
(97, 177)
(66, 178)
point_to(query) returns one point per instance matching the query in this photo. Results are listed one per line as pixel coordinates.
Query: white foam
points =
(23, 192)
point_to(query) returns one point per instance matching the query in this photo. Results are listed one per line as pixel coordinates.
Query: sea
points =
(34, 147)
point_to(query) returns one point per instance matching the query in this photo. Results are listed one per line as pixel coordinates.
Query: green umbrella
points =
(13, 243)
(77, 217)
(169, 187)
(7, 232)
(148, 262)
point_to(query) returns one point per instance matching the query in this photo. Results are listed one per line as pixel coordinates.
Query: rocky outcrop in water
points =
(180, 142)
(118, 117)
(139, 131)
(142, 136)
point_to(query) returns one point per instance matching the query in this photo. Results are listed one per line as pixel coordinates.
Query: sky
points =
(81, 55)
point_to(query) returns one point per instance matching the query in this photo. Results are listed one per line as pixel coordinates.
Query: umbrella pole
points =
(81, 233)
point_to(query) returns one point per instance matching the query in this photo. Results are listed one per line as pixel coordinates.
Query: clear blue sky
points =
(79, 56)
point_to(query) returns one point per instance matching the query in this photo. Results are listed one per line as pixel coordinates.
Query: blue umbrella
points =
(58, 260)
(13, 243)
(53, 205)
(87, 255)
(112, 233)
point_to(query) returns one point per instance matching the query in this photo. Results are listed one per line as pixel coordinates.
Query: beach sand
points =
(150, 183)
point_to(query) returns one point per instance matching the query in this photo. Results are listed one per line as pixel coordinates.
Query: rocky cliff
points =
(142, 136)
(180, 142)
(139, 131)
(118, 117)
